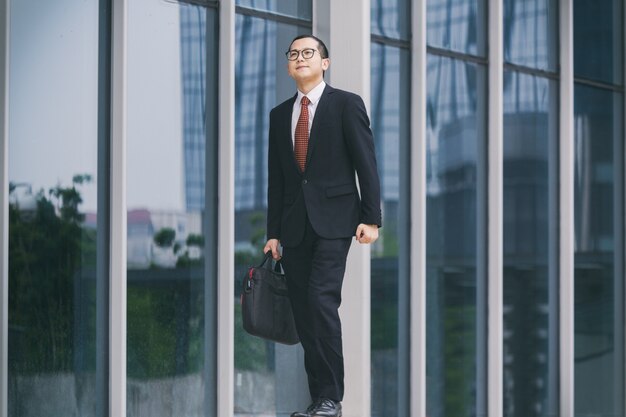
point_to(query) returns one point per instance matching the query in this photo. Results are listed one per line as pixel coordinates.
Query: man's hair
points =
(321, 46)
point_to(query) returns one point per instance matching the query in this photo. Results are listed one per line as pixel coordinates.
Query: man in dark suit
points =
(318, 140)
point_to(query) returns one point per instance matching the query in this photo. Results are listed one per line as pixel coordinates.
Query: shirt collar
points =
(314, 95)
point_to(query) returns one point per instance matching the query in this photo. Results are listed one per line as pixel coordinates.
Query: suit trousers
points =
(315, 269)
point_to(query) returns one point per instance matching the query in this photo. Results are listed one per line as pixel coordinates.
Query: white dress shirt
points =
(314, 97)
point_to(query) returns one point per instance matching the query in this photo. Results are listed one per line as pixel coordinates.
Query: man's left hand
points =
(366, 233)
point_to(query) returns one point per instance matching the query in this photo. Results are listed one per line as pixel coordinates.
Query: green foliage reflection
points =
(51, 280)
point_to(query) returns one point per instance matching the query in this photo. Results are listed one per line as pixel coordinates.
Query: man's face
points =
(302, 69)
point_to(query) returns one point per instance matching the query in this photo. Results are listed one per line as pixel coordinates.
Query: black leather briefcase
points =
(265, 304)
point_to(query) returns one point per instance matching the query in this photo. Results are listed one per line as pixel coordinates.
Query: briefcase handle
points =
(247, 282)
(278, 267)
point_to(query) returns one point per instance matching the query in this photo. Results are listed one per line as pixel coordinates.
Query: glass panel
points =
(599, 40)
(301, 9)
(599, 388)
(53, 110)
(531, 33)
(458, 25)
(456, 117)
(390, 327)
(269, 378)
(165, 195)
(530, 282)
(391, 18)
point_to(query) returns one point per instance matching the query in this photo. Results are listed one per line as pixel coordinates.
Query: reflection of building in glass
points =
(452, 184)
(454, 132)
(452, 24)
(387, 18)
(255, 93)
(530, 120)
(385, 115)
(526, 35)
(390, 121)
(193, 64)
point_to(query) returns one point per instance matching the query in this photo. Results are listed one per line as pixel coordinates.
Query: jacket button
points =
(304, 181)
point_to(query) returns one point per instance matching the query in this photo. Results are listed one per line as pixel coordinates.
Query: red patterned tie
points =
(302, 133)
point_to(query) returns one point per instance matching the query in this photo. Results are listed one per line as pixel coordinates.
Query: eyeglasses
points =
(307, 53)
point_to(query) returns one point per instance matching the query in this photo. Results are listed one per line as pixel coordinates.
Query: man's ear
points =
(325, 63)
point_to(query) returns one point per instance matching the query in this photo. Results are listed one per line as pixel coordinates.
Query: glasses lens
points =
(308, 53)
(292, 55)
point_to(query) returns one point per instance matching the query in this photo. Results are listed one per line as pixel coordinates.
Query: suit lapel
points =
(286, 131)
(320, 114)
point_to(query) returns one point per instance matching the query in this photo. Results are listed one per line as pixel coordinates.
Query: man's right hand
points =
(272, 244)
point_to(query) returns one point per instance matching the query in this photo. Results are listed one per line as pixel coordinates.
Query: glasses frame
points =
(301, 52)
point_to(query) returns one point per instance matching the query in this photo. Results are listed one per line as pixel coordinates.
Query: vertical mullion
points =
(566, 210)
(553, 252)
(211, 221)
(618, 225)
(418, 210)
(117, 244)
(351, 48)
(494, 207)
(404, 236)
(622, 230)
(226, 209)
(553, 366)
(103, 219)
(4, 206)
(482, 226)
(618, 282)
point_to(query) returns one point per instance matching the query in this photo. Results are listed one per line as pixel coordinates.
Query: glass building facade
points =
(267, 377)
(390, 104)
(56, 300)
(133, 146)
(599, 209)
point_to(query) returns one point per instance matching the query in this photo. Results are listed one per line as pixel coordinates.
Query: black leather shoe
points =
(306, 413)
(325, 407)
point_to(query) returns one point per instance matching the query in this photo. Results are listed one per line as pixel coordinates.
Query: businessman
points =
(318, 140)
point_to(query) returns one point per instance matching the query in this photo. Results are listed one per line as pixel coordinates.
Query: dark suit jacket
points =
(340, 143)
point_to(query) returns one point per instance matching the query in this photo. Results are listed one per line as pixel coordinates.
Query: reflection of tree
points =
(459, 328)
(185, 259)
(166, 311)
(165, 322)
(166, 305)
(52, 292)
(166, 238)
(48, 251)
(251, 353)
(246, 257)
(384, 305)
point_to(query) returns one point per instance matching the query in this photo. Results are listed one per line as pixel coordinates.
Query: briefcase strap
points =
(247, 284)
(268, 256)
